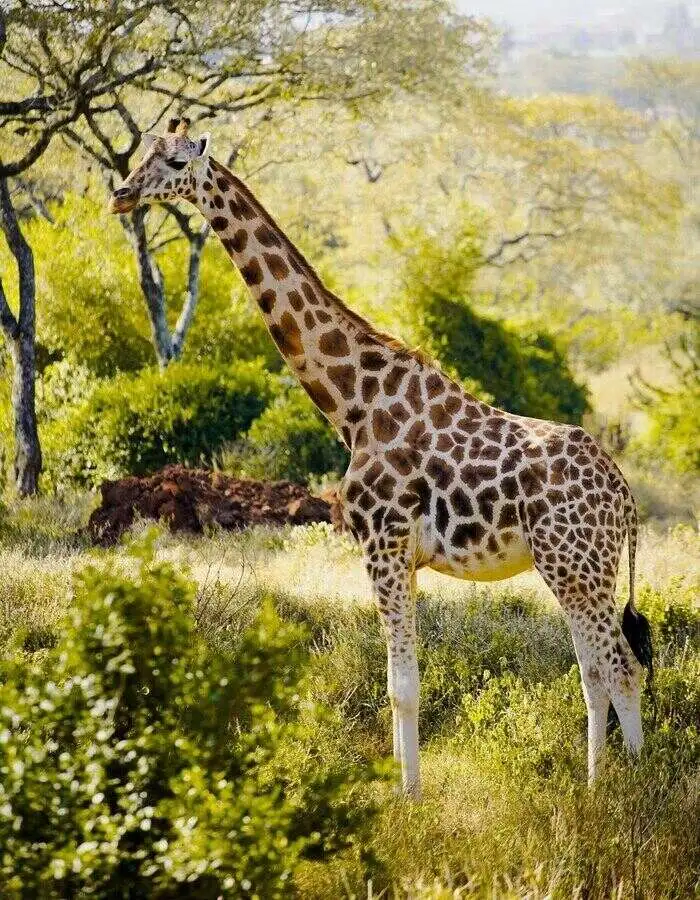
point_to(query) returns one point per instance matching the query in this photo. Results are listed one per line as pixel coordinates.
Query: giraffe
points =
(436, 477)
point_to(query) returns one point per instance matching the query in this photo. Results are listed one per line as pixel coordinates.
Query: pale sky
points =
(545, 14)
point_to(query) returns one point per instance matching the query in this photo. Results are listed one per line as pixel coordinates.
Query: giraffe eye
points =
(177, 163)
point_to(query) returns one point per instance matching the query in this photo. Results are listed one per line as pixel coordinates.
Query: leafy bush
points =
(136, 762)
(673, 612)
(227, 324)
(290, 440)
(134, 424)
(674, 431)
(523, 373)
(94, 313)
(674, 427)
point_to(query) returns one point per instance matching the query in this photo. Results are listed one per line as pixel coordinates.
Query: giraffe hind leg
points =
(609, 671)
(580, 568)
(597, 704)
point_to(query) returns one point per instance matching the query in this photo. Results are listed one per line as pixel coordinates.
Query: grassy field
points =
(506, 810)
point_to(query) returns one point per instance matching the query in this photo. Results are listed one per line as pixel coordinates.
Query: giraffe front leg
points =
(403, 696)
(393, 585)
(395, 721)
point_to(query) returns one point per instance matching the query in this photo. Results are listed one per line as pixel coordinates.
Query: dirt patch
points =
(191, 499)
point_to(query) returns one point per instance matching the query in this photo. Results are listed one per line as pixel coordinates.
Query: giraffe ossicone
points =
(436, 477)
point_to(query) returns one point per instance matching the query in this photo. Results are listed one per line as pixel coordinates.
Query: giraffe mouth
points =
(122, 204)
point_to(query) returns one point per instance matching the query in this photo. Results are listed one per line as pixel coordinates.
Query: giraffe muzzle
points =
(123, 200)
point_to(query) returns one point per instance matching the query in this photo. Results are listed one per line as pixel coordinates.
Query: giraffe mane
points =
(381, 337)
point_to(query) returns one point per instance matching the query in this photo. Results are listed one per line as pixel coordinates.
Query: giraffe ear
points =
(148, 139)
(203, 144)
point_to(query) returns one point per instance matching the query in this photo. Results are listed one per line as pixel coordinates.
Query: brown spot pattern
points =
(277, 266)
(334, 343)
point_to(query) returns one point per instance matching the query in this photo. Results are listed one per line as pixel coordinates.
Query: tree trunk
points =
(196, 241)
(20, 334)
(27, 467)
(151, 281)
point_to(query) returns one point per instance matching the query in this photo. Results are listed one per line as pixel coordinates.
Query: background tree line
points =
(531, 245)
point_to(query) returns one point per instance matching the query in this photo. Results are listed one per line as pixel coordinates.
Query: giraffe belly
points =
(494, 570)
(481, 565)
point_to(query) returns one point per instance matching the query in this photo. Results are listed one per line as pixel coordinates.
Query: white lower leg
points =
(395, 720)
(597, 728)
(628, 706)
(597, 704)
(396, 604)
(405, 702)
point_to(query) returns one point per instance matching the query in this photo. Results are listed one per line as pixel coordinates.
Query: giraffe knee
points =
(594, 690)
(404, 702)
(404, 689)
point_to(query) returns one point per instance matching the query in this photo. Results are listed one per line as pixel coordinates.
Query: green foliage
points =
(598, 340)
(62, 385)
(227, 324)
(134, 424)
(674, 431)
(673, 435)
(137, 762)
(522, 373)
(290, 440)
(90, 309)
(674, 613)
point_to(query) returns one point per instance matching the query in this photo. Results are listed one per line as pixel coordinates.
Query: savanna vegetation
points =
(206, 716)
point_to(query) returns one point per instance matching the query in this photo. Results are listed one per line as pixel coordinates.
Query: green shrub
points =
(135, 424)
(290, 440)
(674, 615)
(227, 324)
(135, 762)
(91, 310)
(524, 373)
(673, 434)
(674, 431)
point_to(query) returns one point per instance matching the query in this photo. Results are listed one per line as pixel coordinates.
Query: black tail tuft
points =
(637, 630)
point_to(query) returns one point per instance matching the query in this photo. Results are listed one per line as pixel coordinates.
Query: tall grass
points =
(507, 812)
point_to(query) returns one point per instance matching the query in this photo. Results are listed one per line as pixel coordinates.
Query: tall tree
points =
(19, 331)
(99, 73)
(141, 62)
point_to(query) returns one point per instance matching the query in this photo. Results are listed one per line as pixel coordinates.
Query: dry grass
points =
(313, 562)
(40, 548)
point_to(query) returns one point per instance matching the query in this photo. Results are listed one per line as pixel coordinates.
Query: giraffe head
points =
(168, 171)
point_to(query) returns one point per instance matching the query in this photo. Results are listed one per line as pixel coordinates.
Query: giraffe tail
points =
(635, 626)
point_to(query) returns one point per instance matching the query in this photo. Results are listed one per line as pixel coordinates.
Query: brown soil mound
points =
(190, 499)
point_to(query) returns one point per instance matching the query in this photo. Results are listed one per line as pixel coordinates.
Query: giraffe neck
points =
(334, 353)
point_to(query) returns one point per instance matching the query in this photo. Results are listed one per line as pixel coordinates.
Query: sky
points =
(546, 14)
